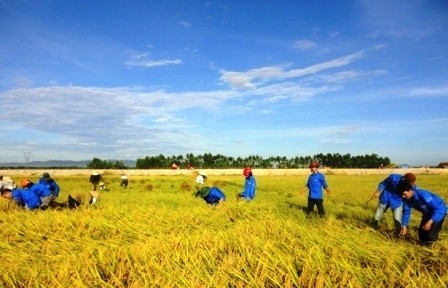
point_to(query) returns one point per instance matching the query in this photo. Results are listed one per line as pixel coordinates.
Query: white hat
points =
(8, 186)
(203, 174)
(200, 179)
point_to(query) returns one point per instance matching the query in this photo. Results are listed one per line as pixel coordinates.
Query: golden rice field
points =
(156, 234)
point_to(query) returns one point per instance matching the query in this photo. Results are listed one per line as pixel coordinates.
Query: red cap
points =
(314, 164)
(246, 171)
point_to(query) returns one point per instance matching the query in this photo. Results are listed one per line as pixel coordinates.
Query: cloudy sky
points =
(129, 79)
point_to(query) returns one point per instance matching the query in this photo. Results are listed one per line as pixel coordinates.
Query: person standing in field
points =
(50, 183)
(315, 184)
(250, 185)
(390, 197)
(432, 207)
(76, 199)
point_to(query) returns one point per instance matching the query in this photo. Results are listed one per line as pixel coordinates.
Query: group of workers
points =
(398, 192)
(42, 195)
(214, 196)
(401, 194)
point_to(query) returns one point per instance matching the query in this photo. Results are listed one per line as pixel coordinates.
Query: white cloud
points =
(340, 135)
(427, 91)
(143, 60)
(184, 23)
(344, 76)
(253, 77)
(304, 44)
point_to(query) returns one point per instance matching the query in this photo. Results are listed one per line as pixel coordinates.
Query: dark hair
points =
(403, 185)
(4, 191)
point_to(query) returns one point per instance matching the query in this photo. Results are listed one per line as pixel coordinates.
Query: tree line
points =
(218, 161)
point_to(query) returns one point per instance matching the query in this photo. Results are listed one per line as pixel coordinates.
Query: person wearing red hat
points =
(389, 197)
(316, 182)
(250, 185)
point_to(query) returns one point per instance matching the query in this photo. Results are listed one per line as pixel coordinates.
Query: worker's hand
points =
(427, 225)
(404, 231)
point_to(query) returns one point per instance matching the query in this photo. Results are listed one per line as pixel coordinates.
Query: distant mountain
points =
(61, 163)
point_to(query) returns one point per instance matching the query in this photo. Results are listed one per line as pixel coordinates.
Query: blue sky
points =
(129, 79)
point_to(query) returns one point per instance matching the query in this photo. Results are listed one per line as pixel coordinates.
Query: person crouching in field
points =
(316, 182)
(51, 184)
(201, 178)
(212, 195)
(95, 179)
(389, 196)
(30, 199)
(250, 185)
(432, 207)
(76, 199)
(6, 193)
(6, 181)
(40, 190)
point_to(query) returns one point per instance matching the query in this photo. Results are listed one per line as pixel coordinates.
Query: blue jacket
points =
(389, 192)
(429, 204)
(40, 189)
(26, 198)
(52, 185)
(214, 196)
(316, 181)
(250, 186)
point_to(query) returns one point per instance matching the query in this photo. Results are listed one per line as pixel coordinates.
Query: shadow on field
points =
(296, 206)
(58, 206)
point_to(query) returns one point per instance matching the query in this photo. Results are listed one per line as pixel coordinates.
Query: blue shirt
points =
(250, 186)
(316, 181)
(389, 192)
(26, 198)
(51, 185)
(214, 196)
(40, 189)
(428, 203)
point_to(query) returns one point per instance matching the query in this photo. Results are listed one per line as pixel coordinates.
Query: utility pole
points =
(27, 158)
